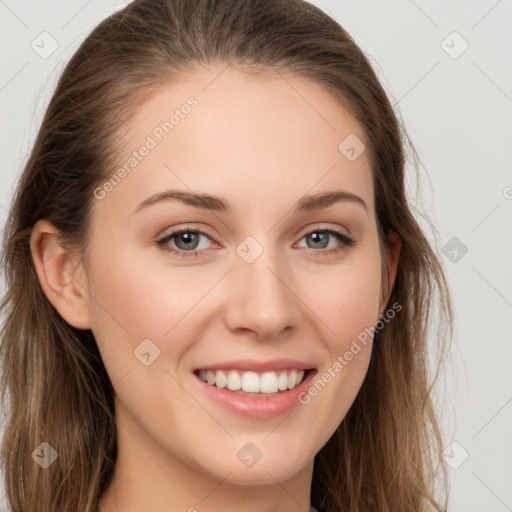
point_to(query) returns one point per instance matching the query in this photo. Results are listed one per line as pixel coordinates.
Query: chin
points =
(264, 475)
(279, 467)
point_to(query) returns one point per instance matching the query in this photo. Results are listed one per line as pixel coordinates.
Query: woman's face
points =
(258, 284)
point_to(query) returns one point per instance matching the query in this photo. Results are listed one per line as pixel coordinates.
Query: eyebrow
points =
(215, 203)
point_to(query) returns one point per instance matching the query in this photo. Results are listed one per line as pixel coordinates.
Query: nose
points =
(260, 297)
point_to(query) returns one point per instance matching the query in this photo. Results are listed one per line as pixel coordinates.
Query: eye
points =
(186, 241)
(320, 239)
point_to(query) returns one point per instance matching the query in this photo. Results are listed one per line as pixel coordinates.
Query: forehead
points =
(272, 137)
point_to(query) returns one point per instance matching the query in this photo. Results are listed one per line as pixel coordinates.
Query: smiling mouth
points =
(251, 383)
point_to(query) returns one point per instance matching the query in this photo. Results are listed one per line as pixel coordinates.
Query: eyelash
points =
(347, 242)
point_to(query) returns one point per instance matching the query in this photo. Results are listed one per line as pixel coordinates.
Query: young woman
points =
(217, 294)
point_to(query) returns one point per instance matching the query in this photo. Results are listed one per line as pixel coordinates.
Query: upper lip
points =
(258, 366)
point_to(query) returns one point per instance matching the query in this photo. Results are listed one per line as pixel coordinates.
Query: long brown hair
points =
(386, 453)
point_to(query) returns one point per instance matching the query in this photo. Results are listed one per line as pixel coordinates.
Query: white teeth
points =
(268, 382)
(221, 380)
(282, 381)
(252, 382)
(234, 380)
(292, 379)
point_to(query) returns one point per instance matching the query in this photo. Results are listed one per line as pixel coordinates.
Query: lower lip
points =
(256, 407)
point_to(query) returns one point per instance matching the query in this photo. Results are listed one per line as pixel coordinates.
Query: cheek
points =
(136, 299)
(130, 303)
(345, 298)
(134, 293)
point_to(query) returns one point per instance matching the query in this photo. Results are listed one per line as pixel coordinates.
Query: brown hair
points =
(386, 453)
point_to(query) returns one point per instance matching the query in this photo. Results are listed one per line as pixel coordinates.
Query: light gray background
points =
(458, 111)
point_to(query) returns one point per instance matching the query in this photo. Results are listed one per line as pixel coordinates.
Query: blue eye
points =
(322, 237)
(186, 242)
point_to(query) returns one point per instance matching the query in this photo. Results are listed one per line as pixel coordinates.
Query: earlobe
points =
(59, 275)
(395, 244)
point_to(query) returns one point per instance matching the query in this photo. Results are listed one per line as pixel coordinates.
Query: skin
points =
(261, 145)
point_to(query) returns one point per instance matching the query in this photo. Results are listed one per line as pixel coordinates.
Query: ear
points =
(61, 275)
(390, 270)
